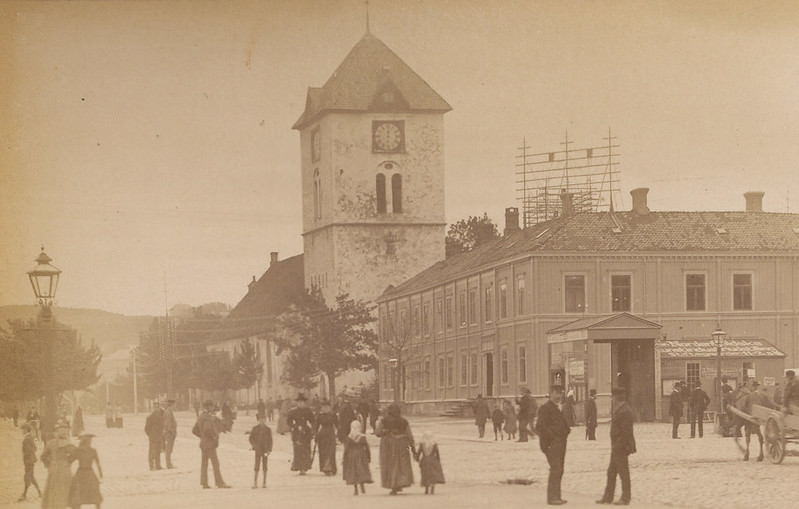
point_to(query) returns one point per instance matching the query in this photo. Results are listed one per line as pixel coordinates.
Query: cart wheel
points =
(775, 442)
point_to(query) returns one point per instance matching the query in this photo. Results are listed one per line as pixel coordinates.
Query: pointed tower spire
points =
(367, 16)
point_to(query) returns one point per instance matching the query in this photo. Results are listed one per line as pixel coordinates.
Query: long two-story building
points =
(591, 300)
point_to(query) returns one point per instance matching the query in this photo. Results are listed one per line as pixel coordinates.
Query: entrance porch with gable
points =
(603, 352)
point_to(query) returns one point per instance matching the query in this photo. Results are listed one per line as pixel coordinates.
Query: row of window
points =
(574, 300)
(420, 377)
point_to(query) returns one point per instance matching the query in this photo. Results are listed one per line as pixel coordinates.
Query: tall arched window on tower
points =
(396, 193)
(380, 188)
(317, 195)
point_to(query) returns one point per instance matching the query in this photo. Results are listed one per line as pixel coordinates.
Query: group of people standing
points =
(347, 425)
(553, 427)
(63, 489)
(161, 429)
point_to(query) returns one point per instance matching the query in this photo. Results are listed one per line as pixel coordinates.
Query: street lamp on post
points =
(717, 337)
(394, 362)
(44, 281)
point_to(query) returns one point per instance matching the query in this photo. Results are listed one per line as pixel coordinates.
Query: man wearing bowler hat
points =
(622, 444)
(170, 431)
(207, 429)
(154, 428)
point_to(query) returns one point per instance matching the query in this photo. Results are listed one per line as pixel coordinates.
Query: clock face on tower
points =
(388, 136)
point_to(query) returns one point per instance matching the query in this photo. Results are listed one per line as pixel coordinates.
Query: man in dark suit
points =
(675, 409)
(553, 430)
(697, 404)
(622, 444)
(527, 410)
(207, 429)
(481, 414)
(154, 428)
(590, 416)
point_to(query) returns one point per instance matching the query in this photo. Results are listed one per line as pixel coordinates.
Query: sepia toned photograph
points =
(418, 253)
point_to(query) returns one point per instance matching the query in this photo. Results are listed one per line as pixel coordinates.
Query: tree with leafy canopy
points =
(248, 367)
(467, 234)
(330, 340)
(36, 360)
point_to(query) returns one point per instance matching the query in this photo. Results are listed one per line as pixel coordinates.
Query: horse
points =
(742, 400)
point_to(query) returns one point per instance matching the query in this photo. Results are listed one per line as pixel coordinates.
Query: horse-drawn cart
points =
(778, 430)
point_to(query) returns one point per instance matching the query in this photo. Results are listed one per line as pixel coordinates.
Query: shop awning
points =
(701, 348)
(605, 329)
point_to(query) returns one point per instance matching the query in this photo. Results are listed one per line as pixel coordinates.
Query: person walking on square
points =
(57, 456)
(270, 409)
(77, 422)
(497, 418)
(355, 463)
(481, 414)
(527, 411)
(396, 445)
(170, 431)
(85, 488)
(301, 422)
(510, 420)
(345, 416)
(429, 459)
(261, 443)
(675, 409)
(283, 417)
(553, 431)
(154, 428)
(590, 415)
(207, 429)
(374, 414)
(325, 432)
(622, 444)
(697, 404)
(29, 461)
(261, 407)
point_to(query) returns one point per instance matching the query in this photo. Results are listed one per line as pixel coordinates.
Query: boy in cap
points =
(261, 443)
(29, 459)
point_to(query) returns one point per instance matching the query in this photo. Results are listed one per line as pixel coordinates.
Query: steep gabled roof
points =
(369, 68)
(277, 289)
(620, 232)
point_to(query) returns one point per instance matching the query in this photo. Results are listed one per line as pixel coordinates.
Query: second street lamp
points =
(717, 337)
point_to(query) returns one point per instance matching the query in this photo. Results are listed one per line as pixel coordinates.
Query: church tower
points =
(372, 142)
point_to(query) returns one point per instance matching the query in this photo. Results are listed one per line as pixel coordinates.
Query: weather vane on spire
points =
(367, 16)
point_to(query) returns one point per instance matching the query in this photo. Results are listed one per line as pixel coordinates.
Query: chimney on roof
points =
(251, 284)
(272, 258)
(639, 201)
(511, 220)
(566, 203)
(754, 201)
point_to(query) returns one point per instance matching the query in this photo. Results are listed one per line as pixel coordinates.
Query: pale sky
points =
(143, 138)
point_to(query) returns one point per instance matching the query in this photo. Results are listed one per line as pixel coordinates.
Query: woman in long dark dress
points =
(396, 446)
(85, 487)
(357, 457)
(57, 456)
(301, 422)
(326, 423)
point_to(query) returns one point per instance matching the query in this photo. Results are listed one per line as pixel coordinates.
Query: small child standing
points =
(511, 421)
(429, 463)
(498, 417)
(356, 458)
(29, 459)
(261, 443)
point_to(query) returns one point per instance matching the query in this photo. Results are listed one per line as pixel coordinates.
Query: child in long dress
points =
(511, 425)
(356, 458)
(429, 463)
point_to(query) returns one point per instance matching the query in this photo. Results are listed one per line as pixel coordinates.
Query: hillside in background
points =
(110, 331)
